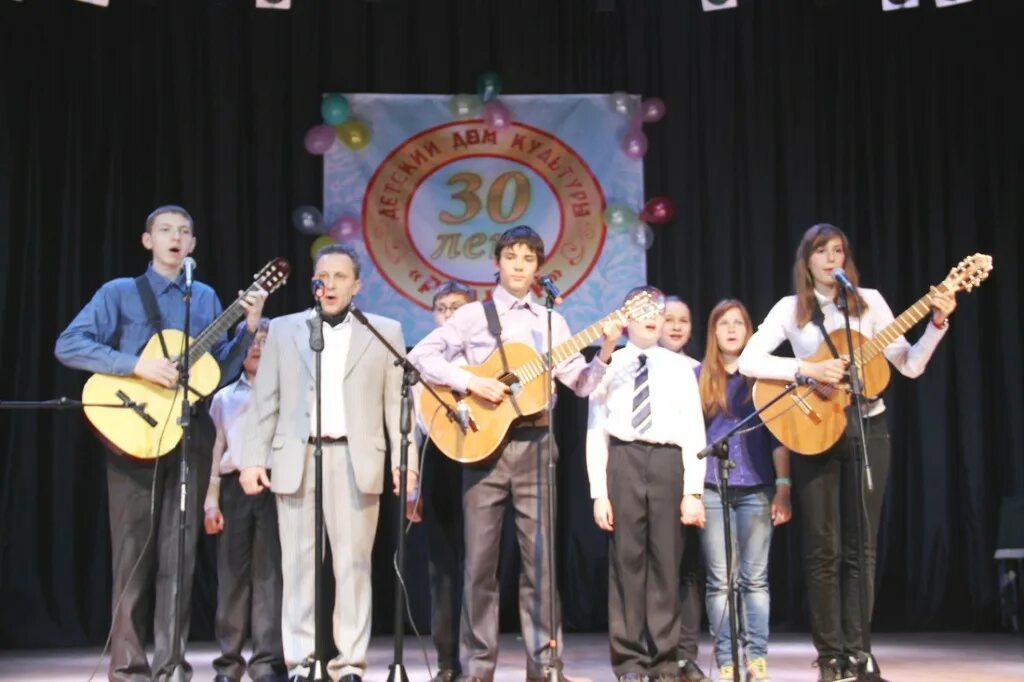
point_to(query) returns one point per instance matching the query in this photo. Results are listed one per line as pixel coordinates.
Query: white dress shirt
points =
(780, 325)
(226, 410)
(334, 359)
(676, 414)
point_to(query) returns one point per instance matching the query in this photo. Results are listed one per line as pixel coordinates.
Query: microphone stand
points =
(410, 377)
(552, 671)
(316, 344)
(177, 662)
(720, 450)
(856, 432)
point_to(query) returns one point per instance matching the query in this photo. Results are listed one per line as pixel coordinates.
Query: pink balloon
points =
(345, 229)
(634, 143)
(651, 110)
(319, 139)
(496, 115)
(658, 211)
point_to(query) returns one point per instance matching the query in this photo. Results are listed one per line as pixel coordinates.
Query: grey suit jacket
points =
(277, 426)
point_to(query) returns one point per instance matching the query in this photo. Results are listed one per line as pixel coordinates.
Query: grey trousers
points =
(248, 583)
(519, 473)
(140, 559)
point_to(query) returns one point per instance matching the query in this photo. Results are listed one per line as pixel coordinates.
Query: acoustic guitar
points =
(811, 419)
(488, 422)
(147, 427)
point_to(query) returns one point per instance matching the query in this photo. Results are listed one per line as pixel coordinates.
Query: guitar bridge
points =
(137, 408)
(806, 409)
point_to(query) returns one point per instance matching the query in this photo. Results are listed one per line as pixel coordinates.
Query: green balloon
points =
(488, 86)
(619, 216)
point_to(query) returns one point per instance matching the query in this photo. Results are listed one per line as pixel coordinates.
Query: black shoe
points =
(351, 677)
(222, 678)
(864, 668)
(831, 670)
(689, 671)
(445, 675)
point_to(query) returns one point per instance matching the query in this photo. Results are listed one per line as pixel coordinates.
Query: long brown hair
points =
(713, 377)
(803, 280)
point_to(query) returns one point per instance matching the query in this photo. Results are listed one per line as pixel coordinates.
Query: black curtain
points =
(903, 128)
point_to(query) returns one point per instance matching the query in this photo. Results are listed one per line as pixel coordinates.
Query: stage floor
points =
(935, 657)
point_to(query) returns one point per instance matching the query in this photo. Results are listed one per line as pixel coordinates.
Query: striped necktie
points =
(641, 398)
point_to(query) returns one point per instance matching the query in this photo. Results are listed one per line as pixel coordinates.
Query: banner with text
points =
(434, 193)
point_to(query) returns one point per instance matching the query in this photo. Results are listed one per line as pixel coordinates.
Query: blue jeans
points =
(751, 525)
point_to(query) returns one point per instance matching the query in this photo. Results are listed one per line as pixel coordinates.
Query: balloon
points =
(308, 220)
(345, 229)
(319, 243)
(634, 143)
(658, 210)
(496, 116)
(354, 134)
(651, 110)
(334, 109)
(488, 86)
(465, 106)
(619, 215)
(319, 139)
(643, 235)
(622, 103)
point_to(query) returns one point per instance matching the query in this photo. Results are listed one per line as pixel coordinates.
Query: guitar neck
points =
(216, 329)
(563, 351)
(897, 328)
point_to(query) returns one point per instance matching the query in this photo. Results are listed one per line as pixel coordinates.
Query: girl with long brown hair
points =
(757, 500)
(826, 485)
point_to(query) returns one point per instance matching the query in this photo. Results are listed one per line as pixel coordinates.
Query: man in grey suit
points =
(360, 384)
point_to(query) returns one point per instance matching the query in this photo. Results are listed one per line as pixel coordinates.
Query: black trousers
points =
(142, 561)
(691, 594)
(441, 488)
(825, 486)
(248, 583)
(645, 487)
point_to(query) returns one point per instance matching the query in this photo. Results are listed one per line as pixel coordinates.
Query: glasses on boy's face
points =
(447, 309)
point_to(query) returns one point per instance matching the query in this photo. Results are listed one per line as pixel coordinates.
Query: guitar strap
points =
(494, 326)
(818, 318)
(152, 310)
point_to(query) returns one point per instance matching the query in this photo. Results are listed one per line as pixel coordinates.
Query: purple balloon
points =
(652, 110)
(634, 143)
(496, 115)
(319, 139)
(345, 229)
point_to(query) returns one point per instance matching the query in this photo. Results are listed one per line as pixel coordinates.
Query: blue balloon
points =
(334, 109)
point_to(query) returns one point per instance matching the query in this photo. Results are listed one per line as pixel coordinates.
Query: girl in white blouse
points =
(825, 485)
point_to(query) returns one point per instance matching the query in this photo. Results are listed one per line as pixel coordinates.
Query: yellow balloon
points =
(353, 133)
(319, 243)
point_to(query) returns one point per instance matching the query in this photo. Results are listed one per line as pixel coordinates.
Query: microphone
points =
(549, 287)
(804, 380)
(190, 265)
(318, 288)
(462, 410)
(842, 280)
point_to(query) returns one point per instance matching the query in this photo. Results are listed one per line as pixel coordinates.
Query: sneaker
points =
(831, 670)
(757, 669)
(689, 671)
(725, 673)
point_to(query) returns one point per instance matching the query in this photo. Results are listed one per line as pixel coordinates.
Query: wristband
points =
(783, 480)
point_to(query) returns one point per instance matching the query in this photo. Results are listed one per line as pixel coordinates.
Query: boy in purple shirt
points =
(517, 471)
